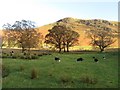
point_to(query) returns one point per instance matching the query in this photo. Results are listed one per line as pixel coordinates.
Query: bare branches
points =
(101, 37)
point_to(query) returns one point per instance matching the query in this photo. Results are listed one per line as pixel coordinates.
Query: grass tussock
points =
(65, 78)
(5, 71)
(22, 67)
(34, 73)
(88, 79)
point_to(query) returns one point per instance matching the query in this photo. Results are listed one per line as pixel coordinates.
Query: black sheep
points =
(103, 57)
(94, 57)
(57, 59)
(79, 59)
(11, 53)
(96, 60)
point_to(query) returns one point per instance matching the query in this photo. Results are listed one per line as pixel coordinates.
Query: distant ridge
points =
(80, 25)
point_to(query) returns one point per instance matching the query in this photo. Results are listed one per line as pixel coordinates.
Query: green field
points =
(65, 74)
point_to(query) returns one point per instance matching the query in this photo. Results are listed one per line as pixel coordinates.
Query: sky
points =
(48, 11)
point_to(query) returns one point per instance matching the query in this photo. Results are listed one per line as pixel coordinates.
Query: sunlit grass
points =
(81, 48)
(68, 73)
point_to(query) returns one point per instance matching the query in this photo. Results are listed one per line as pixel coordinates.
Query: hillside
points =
(80, 25)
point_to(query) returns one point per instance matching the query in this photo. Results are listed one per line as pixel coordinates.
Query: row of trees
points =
(24, 34)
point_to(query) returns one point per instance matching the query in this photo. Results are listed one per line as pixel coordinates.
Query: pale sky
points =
(48, 11)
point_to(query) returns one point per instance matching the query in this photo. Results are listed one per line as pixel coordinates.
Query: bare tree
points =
(101, 37)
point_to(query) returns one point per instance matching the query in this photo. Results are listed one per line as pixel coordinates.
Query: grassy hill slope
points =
(80, 26)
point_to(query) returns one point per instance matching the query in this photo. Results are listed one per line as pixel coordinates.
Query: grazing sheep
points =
(11, 53)
(104, 58)
(96, 60)
(57, 59)
(80, 59)
(93, 57)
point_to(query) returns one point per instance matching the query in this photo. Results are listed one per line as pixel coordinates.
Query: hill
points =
(80, 25)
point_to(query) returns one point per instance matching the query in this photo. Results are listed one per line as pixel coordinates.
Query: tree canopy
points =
(22, 33)
(61, 37)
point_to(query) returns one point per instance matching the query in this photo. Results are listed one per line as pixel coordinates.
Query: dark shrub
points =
(4, 56)
(22, 57)
(4, 53)
(14, 57)
(25, 57)
(7, 54)
(29, 57)
(35, 54)
(40, 54)
(45, 53)
(34, 57)
(49, 54)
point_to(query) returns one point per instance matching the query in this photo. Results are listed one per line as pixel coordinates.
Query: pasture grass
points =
(65, 74)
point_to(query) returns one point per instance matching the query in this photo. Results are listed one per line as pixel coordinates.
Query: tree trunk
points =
(101, 49)
(67, 48)
(60, 50)
(64, 49)
(29, 51)
(23, 49)
(59, 47)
